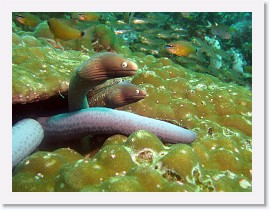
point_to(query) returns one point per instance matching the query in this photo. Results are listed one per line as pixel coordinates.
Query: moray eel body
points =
(93, 72)
(115, 95)
(98, 120)
(27, 134)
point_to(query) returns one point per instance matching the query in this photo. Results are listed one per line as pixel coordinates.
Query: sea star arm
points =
(27, 134)
(99, 120)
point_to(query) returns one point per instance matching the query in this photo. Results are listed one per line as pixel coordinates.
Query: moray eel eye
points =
(124, 64)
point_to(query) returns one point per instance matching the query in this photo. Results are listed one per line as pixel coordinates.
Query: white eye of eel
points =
(124, 64)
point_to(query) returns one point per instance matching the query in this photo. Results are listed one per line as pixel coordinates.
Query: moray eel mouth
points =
(109, 74)
(140, 96)
(127, 99)
(129, 95)
(122, 73)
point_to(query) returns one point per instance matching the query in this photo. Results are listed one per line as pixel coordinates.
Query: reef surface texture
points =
(220, 159)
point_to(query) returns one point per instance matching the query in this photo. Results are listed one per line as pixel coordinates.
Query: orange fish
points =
(86, 16)
(28, 19)
(180, 48)
(61, 30)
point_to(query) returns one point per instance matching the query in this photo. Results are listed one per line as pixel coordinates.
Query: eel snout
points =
(123, 94)
(117, 66)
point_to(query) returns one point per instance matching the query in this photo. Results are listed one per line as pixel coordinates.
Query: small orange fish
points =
(28, 19)
(86, 16)
(180, 48)
(61, 30)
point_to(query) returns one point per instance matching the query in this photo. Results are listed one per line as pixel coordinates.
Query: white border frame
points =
(257, 196)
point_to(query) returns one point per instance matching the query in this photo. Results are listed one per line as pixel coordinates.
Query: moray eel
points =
(93, 72)
(115, 95)
(82, 120)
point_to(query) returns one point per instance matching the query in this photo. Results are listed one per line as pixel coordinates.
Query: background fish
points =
(61, 30)
(223, 31)
(86, 16)
(28, 19)
(180, 48)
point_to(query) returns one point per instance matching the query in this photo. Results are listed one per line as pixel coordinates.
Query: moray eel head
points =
(131, 93)
(123, 94)
(107, 65)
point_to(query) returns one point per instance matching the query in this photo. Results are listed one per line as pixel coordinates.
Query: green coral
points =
(37, 172)
(220, 159)
(220, 113)
(38, 71)
(137, 163)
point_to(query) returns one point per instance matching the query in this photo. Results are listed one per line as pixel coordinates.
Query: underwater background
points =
(196, 69)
